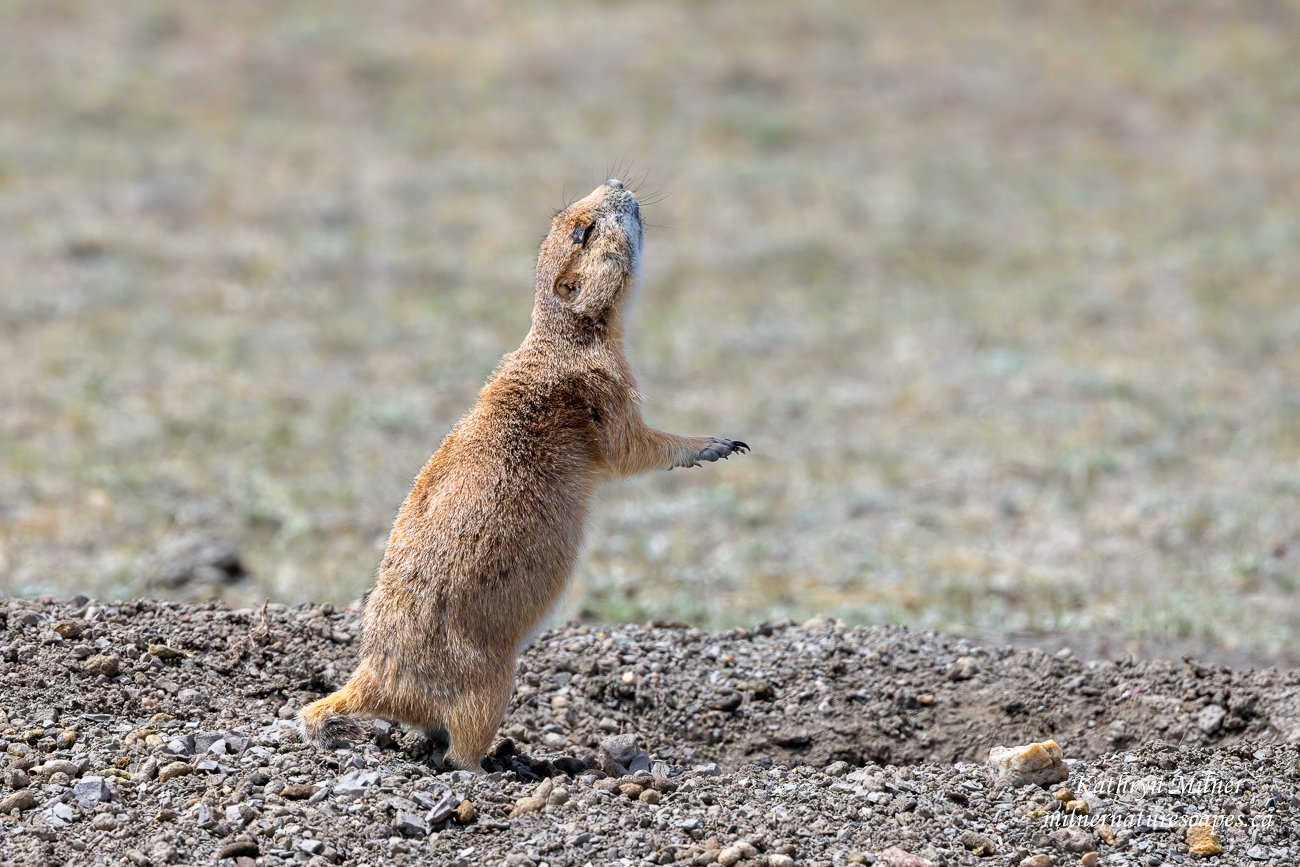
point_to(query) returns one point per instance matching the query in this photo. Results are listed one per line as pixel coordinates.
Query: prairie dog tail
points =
(326, 723)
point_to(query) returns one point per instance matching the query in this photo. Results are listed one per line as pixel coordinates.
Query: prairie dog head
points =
(590, 262)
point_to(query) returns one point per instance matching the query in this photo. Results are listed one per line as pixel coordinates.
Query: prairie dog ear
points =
(565, 288)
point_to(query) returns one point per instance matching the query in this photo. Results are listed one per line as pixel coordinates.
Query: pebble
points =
(20, 801)
(90, 791)
(105, 665)
(465, 813)
(1036, 763)
(173, 770)
(1039, 860)
(1203, 840)
(298, 791)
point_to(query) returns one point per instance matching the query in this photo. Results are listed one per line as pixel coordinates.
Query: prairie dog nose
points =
(615, 183)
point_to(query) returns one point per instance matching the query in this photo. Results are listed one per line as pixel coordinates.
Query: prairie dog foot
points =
(715, 448)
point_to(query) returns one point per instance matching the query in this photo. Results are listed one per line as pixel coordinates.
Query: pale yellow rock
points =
(1203, 840)
(1088, 859)
(1038, 763)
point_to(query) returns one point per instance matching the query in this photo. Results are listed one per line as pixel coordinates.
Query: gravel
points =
(776, 745)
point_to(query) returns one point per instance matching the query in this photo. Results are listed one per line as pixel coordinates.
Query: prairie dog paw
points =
(715, 448)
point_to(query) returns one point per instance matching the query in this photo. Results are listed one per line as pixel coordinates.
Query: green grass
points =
(1005, 296)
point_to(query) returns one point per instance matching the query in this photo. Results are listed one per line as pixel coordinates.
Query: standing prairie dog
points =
(485, 542)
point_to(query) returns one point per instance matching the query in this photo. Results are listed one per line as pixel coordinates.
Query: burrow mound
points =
(810, 694)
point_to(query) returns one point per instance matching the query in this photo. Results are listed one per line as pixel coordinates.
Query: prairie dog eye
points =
(582, 234)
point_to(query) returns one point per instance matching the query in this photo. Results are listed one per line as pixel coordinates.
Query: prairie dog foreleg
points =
(641, 448)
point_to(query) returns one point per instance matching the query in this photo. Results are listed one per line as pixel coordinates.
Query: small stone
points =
(17, 779)
(90, 791)
(148, 770)
(1079, 808)
(963, 668)
(162, 651)
(57, 766)
(355, 782)
(708, 769)
(20, 801)
(311, 847)
(59, 815)
(1106, 834)
(411, 825)
(630, 790)
(70, 628)
(241, 848)
(1088, 859)
(174, 770)
(105, 665)
(980, 844)
(1037, 861)
(1202, 840)
(559, 795)
(104, 822)
(1211, 718)
(896, 857)
(1074, 839)
(649, 796)
(617, 754)
(66, 739)
(837, 769)
(298, 791)
(1037, 763)
(527, 804)
(465, 813)
(779, 860)
(1063, 794)
(735, 853)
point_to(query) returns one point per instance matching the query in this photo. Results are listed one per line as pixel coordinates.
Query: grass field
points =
(1005, 296)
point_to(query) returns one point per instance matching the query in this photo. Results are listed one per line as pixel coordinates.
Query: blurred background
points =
(1005, 296)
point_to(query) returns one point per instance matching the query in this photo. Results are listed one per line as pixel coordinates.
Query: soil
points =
(152, 733)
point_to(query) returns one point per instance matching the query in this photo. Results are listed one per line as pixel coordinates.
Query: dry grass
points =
(1006, 296)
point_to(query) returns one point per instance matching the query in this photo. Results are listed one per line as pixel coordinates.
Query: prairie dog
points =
(484, 544)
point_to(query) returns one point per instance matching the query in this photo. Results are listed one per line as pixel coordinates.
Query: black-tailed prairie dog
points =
(485, 542)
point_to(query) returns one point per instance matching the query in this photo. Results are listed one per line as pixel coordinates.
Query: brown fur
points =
(484, 544)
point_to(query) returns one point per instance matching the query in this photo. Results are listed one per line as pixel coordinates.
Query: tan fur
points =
(484, 544)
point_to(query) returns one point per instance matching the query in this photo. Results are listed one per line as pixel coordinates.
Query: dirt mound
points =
(161, 733)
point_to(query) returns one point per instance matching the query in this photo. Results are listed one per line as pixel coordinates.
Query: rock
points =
(735, 853)
(465, 813)
(57, 766)
(1038, 764)
(526, 805)
(650, 796)
(298, 791)
(90, 791)
(106, 665)
(355, 782)
(630, 790)
(1210, 719)
(70, 628)
(837, 769)
(20, 801)
(162, 651)
(896, 857)
(779, 860)
(1089, 859)
(17, 779)
(980, 844)
(1203, 840)
(618, 752)
(59, 815)
(241, 848)
(174, 770)
(1074, 839)
(1037, 861)
(411, 825)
